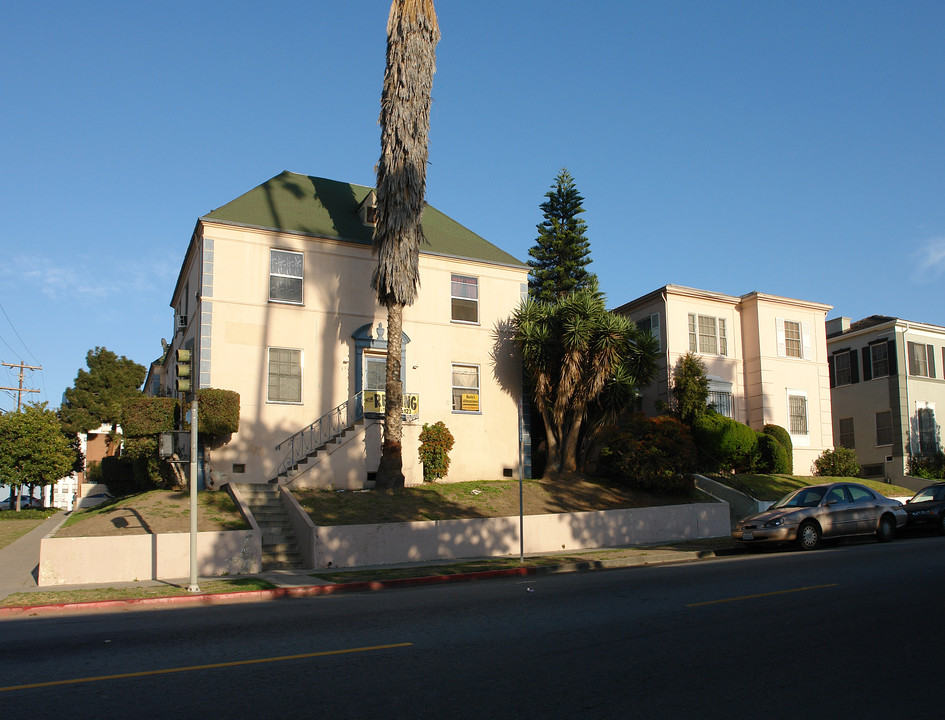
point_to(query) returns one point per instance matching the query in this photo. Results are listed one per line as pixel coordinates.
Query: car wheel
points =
(808, 536)
(887, 528)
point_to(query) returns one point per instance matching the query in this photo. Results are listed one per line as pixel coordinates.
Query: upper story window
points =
(793, 339)
(651, 325)
(879, 359)
(285, 276)
(843, 371)
(464, 299)
(921, 360)
(707, 335)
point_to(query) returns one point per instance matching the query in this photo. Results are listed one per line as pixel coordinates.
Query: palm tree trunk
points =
(390, 474)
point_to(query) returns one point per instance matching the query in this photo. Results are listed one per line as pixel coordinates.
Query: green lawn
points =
(11, 529)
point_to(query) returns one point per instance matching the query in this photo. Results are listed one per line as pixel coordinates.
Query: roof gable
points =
(295, 203)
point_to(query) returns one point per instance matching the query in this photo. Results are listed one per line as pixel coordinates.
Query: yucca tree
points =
(584, 364)
(412, 35)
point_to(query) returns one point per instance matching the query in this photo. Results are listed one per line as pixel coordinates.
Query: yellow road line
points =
(761, 595)
(145, 673)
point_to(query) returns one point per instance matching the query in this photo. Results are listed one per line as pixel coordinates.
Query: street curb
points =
(203, 599)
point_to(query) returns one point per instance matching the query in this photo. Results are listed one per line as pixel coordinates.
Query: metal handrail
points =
(309, 440)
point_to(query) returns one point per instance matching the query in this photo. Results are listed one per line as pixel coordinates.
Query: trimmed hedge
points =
(784, 438)
(772, 457)
(218, 412)
(148, 416)
(725, 444)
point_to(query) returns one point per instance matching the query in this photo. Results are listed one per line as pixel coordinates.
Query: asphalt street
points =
(831, 632)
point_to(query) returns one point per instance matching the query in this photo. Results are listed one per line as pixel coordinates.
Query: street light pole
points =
(193, 587)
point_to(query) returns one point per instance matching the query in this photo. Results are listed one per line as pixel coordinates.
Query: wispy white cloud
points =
(929, 260)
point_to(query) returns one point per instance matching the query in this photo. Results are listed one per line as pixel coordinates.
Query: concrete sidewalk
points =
(19, 565)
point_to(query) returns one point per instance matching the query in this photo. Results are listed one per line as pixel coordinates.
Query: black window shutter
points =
(930, 349)
(833, 380)
(891, 354)
(867, 364)
(854, 367)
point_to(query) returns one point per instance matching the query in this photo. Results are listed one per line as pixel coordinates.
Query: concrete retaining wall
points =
(363, 545)
(81, 560)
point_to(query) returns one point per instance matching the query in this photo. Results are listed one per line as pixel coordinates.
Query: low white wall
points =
(82, 560)
(362, 545)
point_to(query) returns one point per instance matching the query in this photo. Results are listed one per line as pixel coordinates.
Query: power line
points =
(2, 309)
(20, 390)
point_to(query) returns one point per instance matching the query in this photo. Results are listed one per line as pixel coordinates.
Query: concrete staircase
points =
(280, 548)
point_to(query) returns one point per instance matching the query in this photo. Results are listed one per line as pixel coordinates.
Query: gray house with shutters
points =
(887, 389)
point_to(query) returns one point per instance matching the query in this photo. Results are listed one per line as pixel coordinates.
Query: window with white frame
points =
(845, 435)
(879, 359)
(793, 339)
(464, 299)
(707, 335)
(285, 276)
(797, 413)
(285, 375)
(465, 388)
(921, 360)
(884, 428)
(651, 325)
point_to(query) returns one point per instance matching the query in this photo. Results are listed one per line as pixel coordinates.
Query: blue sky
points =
(793, 148)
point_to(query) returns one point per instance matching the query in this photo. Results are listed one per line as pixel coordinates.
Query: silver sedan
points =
(810, 514)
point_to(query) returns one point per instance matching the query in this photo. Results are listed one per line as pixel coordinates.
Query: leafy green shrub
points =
(148, 416)
(436, 441)
(784, 439)
(839, 462)
(724, 444)
(218, 412)
(652, 454)
(771, 456)
(930, 467)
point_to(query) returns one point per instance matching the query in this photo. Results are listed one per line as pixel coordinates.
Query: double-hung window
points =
(464, 299)
(846, 436)
(879, 359)
(921, 360)
(793, 339)
(465, 388)
(285, 276)
(285, 375)
(884, 428)
(707, 335)
(842, 369)
(651, 326)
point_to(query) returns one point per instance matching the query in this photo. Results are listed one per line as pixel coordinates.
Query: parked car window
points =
(838, 495)
(805, 497)
(860, 494)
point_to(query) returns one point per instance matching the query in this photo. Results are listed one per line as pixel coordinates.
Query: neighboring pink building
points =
(765, 357)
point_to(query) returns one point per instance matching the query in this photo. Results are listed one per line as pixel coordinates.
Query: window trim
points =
(806, 352)
(791, 393)
(301, 365)
(696, 335)
(453, 388)
(879, 442)
(921, 366)
(474, 300)
(300, 278)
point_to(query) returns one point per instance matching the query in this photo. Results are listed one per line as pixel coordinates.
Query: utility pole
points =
(20, 390)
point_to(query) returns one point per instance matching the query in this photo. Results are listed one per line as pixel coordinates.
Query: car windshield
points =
(928, 494)
(804, 497)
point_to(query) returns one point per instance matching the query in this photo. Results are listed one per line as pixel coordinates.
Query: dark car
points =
(927, 508)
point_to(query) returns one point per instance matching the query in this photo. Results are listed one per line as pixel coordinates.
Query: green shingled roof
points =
(327, 208)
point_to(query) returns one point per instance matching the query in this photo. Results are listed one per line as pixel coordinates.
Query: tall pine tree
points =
(562, 252)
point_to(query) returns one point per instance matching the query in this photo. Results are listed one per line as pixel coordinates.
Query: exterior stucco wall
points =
(80, 560)
(240, 324)
(361, 545)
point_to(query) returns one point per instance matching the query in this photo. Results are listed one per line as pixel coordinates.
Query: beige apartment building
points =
(886, 385)
(765, 357)
(274, 300)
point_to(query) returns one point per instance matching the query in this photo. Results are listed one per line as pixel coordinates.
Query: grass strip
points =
(210, 587)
